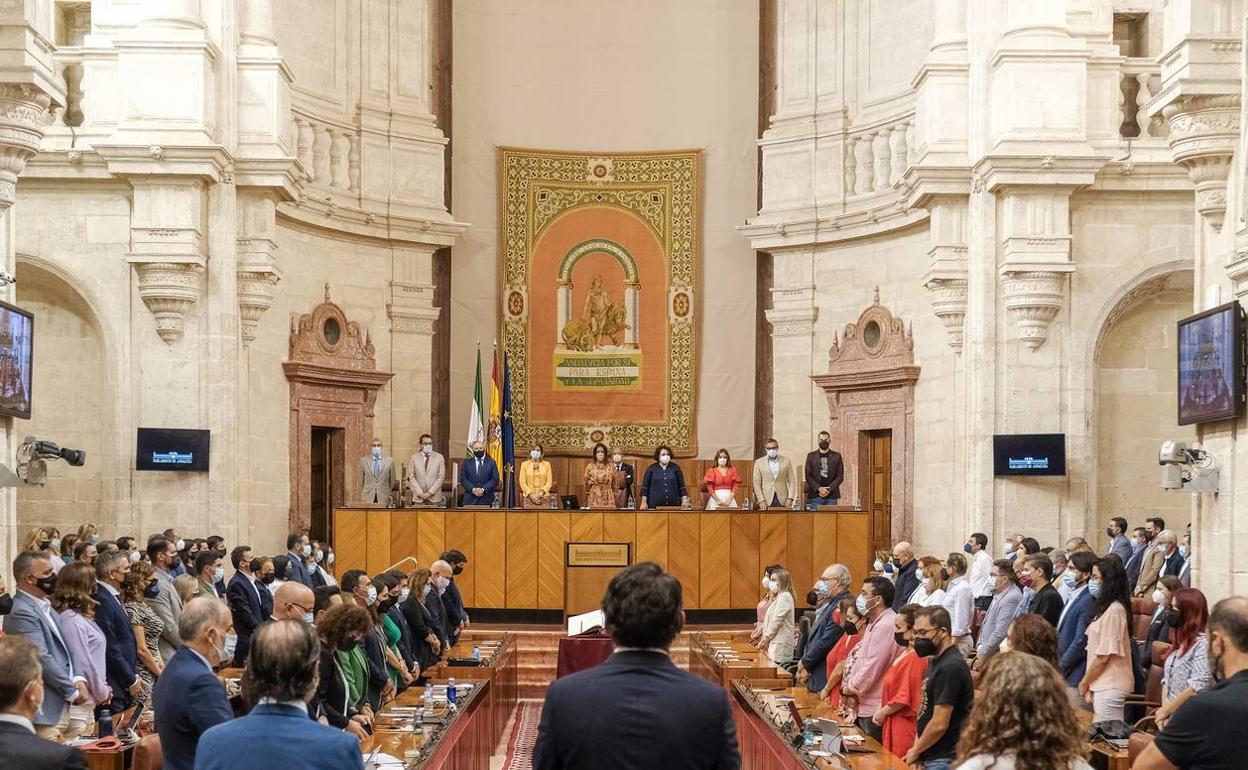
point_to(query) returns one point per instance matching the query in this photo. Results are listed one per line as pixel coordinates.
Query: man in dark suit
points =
(907, 574)
(21, 694)
(298, 548)
(831, 588)
(120, 652)
(479, 477)
(189, 698)
(1168, 547)
(440, 573)
(1139, 553)
(624, 494)
(243, 595)
(452, 600)
(1072, 625)
(654, 714)
(823, 474)
(265, 573)
(283, 676)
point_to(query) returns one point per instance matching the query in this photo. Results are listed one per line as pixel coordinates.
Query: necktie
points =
(426, 462)
(376, 467)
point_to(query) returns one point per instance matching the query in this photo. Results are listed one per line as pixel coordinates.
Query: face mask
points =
(665, 459)
(175, 562)
(403, 594)
(617, 459)
(478, 453)
(1215, 662)
(821, 587)
(1158, 596)
(180, 545)
(535, 454)
(222, 654)
(218, 574)
(766, 582)
(1068, 577)
(306, 550)
(231, 644)
(1094, 588)
(812, 597)
(320, 556)
(1174, 618)
(458, 569)
(888, 568)
(1009, 547)
(312, 569)
(927, 584)
(386, 605)
(426, 449)
(376, 452)
(45, 545)
(55, 545)
(723, 462)
(135, 557)
(308, 618)
(1025, 579)
(372, 596)
(425, 591)
(329, 559)
(1183, 551)
(824, 445)
(900, 638)
(6, 604)
(47, 584)
(1161, 548)
(924, 648)
(152, 591)
(1005, 645)
(966, 548)
(95, 537)
(269, 578)
(773, 454)
(879, 565)
(861, 604)
(442, 583)
(1111, 532)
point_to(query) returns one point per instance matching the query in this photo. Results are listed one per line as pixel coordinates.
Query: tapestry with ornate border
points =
(599, 265)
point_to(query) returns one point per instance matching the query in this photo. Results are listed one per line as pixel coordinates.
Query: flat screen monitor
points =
(1029, 454)
(172, 449)
(1211, 365)
(16, 358)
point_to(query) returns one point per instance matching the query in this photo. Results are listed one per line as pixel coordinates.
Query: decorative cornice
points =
(169, 288)
(353, 221)
(1033, 297)
(412, 320)
(792, 322)
(22, 111)
(949, 299)
(1204, 131)
(255, 295)
(776, 230)
(207, 161)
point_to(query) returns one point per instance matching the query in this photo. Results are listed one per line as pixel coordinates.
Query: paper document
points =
(590, 621)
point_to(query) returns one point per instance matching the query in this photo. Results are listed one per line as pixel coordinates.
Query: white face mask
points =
(135, 557)
(617, 459)
(308, 618)
(329, 559)
(1009, 547)
(181, 545)
(442, 583)
(403, 594)
(766, 583)
(665, 458)
(879, 565)
(306, 550)
(224, 652)
(372, 596)
(536, 455)
(773, 585)
(425, 591)
(723, 462)
(320, 556)
(376, 452)
(426, 448)
(773, 454)
(55, 545)
(218, 574)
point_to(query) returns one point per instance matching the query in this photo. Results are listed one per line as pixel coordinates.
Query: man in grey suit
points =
(775, 482)
(32, 617)
(168, 606)
(426, 473)
(378, 475)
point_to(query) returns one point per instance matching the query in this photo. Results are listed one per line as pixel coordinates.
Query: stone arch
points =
(632, 288)
(1132, 377)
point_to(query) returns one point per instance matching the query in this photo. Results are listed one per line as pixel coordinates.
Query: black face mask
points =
(896, 562)
(1174, 618)
(6, 604)
(152, 591)
(812, 597)
(175, 562)
(386, 605)
(47, 584)
(269, 578)
(1215, 663)
(457, 569)
(479, 454)
(348, 646)
(824, 445)
(850, 628)
(900, 639)
(1111, 532)
(924, 648)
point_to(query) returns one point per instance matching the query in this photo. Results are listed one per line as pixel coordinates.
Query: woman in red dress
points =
(903, 686)
(720, 482)
(847, 615)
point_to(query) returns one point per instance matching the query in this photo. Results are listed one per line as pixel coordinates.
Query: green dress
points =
(392, 634)
(355, 669)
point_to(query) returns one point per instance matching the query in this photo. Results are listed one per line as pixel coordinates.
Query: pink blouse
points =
(1107, 635)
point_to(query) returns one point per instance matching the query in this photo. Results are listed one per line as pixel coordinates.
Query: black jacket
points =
(419, 620)
(244, 599)
(437, 614)
(1048, 604)
(907, 583)
(20, 748)
(636, 710)
(332, 699)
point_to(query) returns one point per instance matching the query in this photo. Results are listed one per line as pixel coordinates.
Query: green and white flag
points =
(476, 425)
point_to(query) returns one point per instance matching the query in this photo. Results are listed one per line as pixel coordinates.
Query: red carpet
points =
(523, 736)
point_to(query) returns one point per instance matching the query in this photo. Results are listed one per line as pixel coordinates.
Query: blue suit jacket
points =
(655, 716)
(27, 619)
(244, 599)
(437, 613)
(486, 478)
(188, 700)
(299, 572)
(1135, 565)
(820, 643)
(1072, 638)
(120, 652)
(265, 737)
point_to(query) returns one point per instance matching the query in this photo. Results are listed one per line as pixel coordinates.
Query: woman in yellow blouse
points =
(536, 479)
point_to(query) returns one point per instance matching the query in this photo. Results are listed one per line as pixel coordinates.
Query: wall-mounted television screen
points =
(16, 359)
(1211, 365)
(1029, 454)
(172, 449)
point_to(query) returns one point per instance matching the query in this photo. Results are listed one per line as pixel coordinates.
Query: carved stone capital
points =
(169, 289)
(1033, 298)
(948, 297)
(23, 108)
(792, 322)
(413, 320)
(255, 296)
(1203, 133)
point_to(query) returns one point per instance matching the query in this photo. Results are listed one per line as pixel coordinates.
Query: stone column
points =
(412, 316)
(792, 317)
(256, 23)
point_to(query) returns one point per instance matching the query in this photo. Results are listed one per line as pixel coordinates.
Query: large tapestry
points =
(599, 263)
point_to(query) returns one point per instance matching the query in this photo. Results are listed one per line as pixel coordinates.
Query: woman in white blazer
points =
(779, 630)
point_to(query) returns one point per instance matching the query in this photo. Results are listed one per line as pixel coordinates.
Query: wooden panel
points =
(586, 528)
(714, 562)
(652, 538)
(744, 586)
(853, 543)
(350, 539)
(461, 535)
(586, 587)
(823, 546)
(432, 542)
(553, 529)
(683, 530)
(773, 539)
(491, 558)
(403, 535)
(522, 559)
(620, 528)
(799, 561)
(377, 555)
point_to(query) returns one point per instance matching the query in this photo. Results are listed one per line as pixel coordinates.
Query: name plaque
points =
(599, 554)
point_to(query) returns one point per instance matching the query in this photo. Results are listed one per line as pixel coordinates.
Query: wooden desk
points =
(1104, 757)
(516, 556)
(718, 657)
(465, 742)
(760, 722)
(500, 669)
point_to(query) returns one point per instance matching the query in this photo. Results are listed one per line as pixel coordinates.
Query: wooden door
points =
(875, 450)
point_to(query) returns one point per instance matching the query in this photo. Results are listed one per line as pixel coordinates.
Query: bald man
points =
(907, 573)
(440, 577)
(293, 601)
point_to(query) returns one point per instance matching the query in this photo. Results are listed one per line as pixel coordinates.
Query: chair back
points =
(1140, 625)
(1158, 653)
(148, 754)
(803, 636)
(1152, 689)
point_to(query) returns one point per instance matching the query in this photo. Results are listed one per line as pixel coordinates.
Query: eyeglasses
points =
(924, 633)
(300, 606)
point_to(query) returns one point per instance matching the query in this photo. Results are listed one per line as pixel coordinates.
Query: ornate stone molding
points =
(1203, 133)
(413, 320)
(949, 297)
(23, 108)
(792, 322)
(255, 296)
(1033, 298)
(169, 289)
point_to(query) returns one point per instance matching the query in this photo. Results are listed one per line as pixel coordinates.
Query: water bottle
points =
(428, 697)
(451, 696)
(809, 736)
(476, 652)
(106, 724)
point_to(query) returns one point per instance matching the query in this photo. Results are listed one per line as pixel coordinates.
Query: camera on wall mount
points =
(32, 461)
(1187, 468)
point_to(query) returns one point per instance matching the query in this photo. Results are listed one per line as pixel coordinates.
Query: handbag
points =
(1115, 732)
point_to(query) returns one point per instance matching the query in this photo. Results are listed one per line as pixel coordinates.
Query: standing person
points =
(864, 680)
(1109, 678)
(959, 602)
(623, 480)
(687, 722)
(121, 651)
(189, 698)
(1063, 578)
(1007, 594)
(779, 631)
(243, 596)
(1150, 559)
(326, 560)
(1021, 721)
(765, 602)
(903, 687)
(600, 479)
(824, 473)
(1187, 665)
(1139, 553)
(139, 587)
(536, 479)
(830, 590)
(265, 572)
(456, 615)
(948, 692)
(426, 473)
(851, 624)
(907, 573)
(163, 554)
(22, 698)
(340, 692)
(1047, 602)
(427, 646)
(72, 599)
(377, 478)
(1119, 545)
(721, 482)
(209, 569)
(980, 575)
(1171, 560)
(478, 476)
(298, 548)
(775, 482)
(664, 484)
(1072, 626)
(931, 590)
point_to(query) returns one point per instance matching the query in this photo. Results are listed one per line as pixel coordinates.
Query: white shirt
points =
(981, 574)
(298, 704)
(19, 720)
(1074, 594)
(774, 465)
(959, 601)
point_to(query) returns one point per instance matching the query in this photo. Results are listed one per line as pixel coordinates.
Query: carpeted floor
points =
(522, 737)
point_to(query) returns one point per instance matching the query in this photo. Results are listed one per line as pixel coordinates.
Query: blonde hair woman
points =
(40, 539)
(88, 533)
(932, 584)
(85, 640)
(187, 585)
(779, 635)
